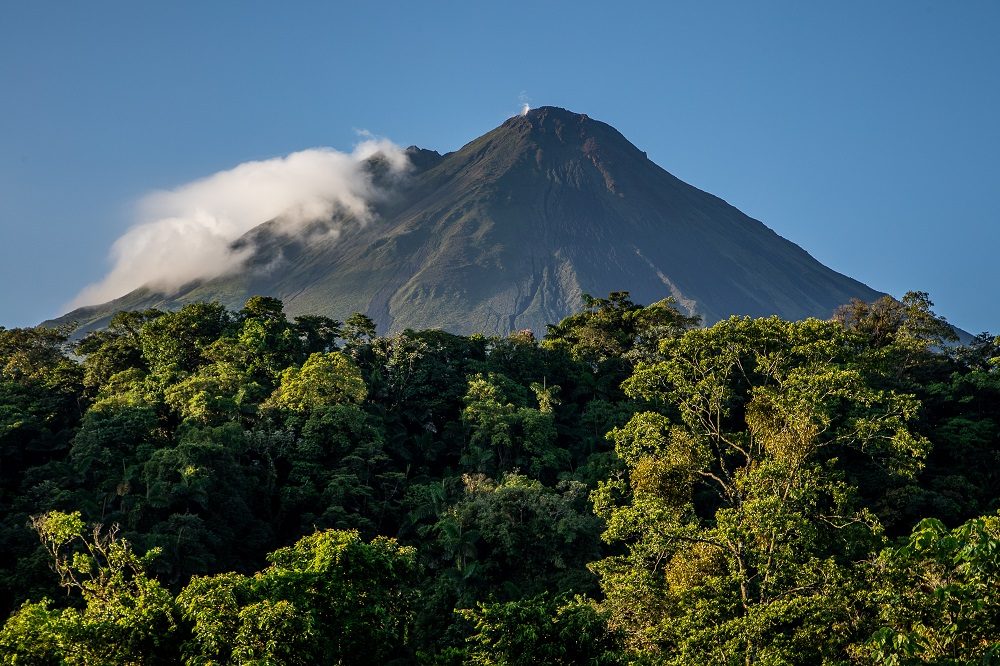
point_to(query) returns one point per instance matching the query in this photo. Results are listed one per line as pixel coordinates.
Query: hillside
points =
(509, 231)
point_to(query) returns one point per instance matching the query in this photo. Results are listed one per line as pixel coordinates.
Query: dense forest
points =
(215, 487)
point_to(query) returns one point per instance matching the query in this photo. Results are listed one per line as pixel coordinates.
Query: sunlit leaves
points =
(937, 596)
(738, 512)
(127, 616)
(331, 598)
(324, 379)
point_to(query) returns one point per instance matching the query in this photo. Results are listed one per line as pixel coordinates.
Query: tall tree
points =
(737, 523)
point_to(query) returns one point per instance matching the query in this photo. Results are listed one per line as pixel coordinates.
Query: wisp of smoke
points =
(187, 233)
(525, 108)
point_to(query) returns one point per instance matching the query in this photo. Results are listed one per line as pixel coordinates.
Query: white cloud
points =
(186, 233)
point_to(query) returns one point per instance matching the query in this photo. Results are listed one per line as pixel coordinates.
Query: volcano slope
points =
(508, 232)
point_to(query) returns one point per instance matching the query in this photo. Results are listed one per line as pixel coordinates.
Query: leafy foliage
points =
(329, 599)
(539, 630)
(937, 596)
(630, 489)
(127, 617)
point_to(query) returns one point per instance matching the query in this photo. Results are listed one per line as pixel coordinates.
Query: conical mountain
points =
(509, 231)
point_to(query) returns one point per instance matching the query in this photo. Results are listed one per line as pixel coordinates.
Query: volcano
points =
(511, 230)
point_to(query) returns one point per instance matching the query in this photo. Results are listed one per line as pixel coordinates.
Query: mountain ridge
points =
(509, 231)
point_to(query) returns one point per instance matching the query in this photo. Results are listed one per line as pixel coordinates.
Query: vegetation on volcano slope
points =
(217, 487)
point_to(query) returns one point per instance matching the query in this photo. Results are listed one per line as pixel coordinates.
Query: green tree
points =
(504, 541)
(127, 617)
(329, 599)
(517, 537)
(175, 342)
(212, 394)
(504, 436)
(324, 379)
(608, 329)
(740, 530)
(107, 456)
(338, 473)
(114, 349)
(214, 474)
(541, 630)
(317, 333)
(902, 337)
(265, 341)
(42, 398)
(936, 596)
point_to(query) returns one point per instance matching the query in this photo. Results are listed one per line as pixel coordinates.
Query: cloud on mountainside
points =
(186, 233)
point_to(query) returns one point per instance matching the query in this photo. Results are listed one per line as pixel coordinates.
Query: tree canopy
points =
(210, 486)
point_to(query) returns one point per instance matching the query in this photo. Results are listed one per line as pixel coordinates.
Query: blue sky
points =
(867, 133)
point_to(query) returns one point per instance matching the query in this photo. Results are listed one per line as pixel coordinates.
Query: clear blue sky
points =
(868, 133)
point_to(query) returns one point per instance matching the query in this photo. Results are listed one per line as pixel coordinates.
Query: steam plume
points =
(525, 102)
(186, 233)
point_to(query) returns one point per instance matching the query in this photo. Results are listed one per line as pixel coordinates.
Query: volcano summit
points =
(508, 232)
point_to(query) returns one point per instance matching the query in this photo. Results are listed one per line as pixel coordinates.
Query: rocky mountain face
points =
(509, 231)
